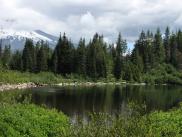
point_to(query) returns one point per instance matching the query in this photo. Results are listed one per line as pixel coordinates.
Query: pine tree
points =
(6, 56)
(137, 59)
(16, 61)
(28, 56)
(158, 48)
(173, 49)
(179, 40)
(96, 58)
(120, 50)
(42, 64)
(63, 55)
(166, 44)
(54, 61)
(81, 58)
(1, 50)
(91, 60)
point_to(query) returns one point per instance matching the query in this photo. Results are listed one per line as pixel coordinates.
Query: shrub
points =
(30, 120)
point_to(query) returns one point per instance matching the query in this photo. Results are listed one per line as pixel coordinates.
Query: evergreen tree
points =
(91, 60)
(1, 50)
(179, 40)
(54, 61)
(42, 61)
(63, 56)
(96, 58)
(167, 44)
(159, 48)
(16, 61)
(173, 49)
(81, 58)
(120, 50)
(137, 59)
(28, 56)
(6, 56)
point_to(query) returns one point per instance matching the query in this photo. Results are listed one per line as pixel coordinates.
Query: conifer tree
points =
(167, 44)
(173, 49)
(64, 55)
(1, 50)
(16, 61)
(6, 56)
(28, 56)
(159, 48)
(42, 64)
(81, 58)
(179, 40)
(120, 50)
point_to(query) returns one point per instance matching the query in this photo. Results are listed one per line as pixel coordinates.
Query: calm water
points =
(78, 101)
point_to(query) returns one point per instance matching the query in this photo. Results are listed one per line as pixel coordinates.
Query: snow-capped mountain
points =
(17, 38)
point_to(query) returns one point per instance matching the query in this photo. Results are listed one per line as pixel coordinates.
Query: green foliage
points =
(135, 123)
(81, 58)
(96, 58)
(16, 61)
(63, 56)
(28, 56)
(30, 120)
(159, 48)
(42, 58)
(6, 56)
(12, 77)
(163, 74)
(121, 48)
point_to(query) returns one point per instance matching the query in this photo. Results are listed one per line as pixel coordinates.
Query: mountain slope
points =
(17, 38)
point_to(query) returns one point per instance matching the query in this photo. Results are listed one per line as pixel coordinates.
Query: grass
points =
(14, 77)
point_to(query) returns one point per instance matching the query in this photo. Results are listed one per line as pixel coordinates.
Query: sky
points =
(82, 18)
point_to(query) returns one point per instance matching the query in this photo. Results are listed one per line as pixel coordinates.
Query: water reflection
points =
(79, 101)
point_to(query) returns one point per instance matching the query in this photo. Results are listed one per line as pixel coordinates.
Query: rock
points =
(4, 87)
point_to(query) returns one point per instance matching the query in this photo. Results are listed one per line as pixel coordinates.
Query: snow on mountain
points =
(17, 38)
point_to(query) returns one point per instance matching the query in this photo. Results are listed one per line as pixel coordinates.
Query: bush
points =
(134, 124)
(163, 74)
(30, 120)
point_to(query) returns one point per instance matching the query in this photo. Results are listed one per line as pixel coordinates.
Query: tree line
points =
(98, 59)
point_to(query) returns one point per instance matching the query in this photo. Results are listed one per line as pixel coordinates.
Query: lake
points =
(79, 101)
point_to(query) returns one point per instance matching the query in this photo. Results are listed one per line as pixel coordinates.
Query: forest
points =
(155, 58)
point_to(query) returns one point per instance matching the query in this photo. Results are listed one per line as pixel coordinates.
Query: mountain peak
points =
(17, 38)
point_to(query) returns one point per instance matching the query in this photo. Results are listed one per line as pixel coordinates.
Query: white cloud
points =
(85, 17)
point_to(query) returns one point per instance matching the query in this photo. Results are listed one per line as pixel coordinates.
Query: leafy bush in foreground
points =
(134, 124)
(30, 120)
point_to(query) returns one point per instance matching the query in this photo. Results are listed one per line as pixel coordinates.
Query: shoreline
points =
(96, 84)
(6, 87)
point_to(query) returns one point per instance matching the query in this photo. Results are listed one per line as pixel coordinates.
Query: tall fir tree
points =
(173, 49)
(81, 58)
(28, 56)
(121, 47)
(1, 49)
(16, 61)
(6, 56)
(167, 44)
(63, 56)
(159, 48)
(42, 60)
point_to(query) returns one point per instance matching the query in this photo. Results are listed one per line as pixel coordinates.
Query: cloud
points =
(81, 18)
